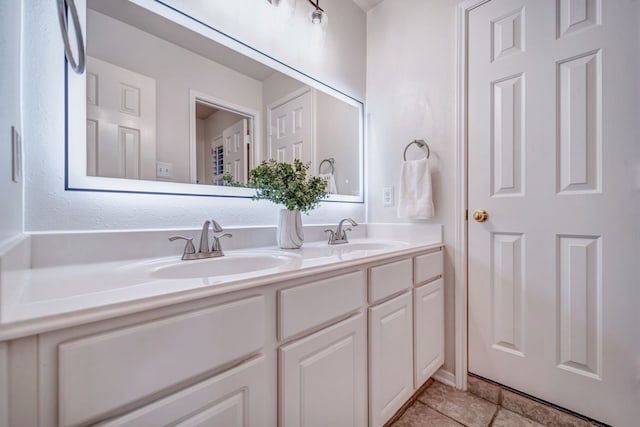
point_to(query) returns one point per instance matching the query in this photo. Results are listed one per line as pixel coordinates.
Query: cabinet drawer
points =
(388, 279)
(101, 373)
(233, 398)
(428, 267)
(305, 307)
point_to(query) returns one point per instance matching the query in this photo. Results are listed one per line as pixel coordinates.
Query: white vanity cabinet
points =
(343, 347)
(406, 331)
(234, 398)
(390, 339)
(323, 375)
(201, 363)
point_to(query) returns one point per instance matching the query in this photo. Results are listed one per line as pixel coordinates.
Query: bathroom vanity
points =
(333, 336)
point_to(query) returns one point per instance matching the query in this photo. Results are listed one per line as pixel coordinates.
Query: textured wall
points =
(11, 192)
(411, 69)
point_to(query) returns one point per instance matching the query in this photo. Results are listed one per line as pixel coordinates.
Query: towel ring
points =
(78, 67)
(330, 160)
(420, 143)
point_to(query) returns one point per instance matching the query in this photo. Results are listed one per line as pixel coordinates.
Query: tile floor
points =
(485, 405)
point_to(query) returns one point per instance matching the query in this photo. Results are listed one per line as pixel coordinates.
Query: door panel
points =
(235, 139)
(121, 122)
(291, 135)
(552, 276)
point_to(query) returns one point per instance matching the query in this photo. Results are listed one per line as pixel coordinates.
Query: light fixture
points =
(318, 13)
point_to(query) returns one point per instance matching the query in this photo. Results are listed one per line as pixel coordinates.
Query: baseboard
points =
(445, 377)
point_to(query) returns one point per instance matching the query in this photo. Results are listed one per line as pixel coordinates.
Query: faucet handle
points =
(216, 227)
(216, 242)
(332, 235)
(189, 249)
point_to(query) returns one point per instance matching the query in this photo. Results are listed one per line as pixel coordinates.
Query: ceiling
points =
(367, 5)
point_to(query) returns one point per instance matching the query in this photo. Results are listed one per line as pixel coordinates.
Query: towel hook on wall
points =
(420, 143)
(78, 67)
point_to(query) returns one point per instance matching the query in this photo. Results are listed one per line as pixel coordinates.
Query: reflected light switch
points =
(164, 170)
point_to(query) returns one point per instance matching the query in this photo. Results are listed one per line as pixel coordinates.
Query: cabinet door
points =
(428, 330)
(234, 398)
(390, 357)
(323, 377)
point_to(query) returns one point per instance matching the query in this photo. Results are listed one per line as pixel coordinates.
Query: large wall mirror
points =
(170, 105)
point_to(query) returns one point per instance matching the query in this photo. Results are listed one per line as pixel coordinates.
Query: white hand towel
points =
(415, 196)
(331, 182)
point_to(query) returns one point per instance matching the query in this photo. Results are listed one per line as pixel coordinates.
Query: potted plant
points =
(288, 184)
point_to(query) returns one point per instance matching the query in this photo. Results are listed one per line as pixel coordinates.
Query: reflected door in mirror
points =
(291, 129)
(121, 122)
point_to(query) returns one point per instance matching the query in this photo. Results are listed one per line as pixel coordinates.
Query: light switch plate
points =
(164, 170)
(16, 155)
(387, 196)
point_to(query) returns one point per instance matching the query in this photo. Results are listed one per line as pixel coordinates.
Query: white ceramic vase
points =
(290, 235)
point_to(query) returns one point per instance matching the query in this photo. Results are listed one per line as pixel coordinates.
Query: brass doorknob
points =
(481, 215)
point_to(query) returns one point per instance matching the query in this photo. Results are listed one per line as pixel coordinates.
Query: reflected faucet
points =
(340, 235)
(204, 251)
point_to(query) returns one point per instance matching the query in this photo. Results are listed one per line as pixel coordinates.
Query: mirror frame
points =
(76, 178)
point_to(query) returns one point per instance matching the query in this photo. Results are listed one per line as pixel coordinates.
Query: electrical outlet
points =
(16, 155)
(164, 170)
(387, 196)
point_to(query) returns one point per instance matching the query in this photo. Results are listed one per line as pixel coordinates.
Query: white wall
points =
(50, 207)
(411, 68)
(336, 57)
(176, 71)
(11, 192)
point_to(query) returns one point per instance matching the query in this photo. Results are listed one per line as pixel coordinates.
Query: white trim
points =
(224, 105)
(4, 384)
(445, 377)
(461, 292)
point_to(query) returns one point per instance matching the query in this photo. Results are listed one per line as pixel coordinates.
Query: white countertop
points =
(53, 297)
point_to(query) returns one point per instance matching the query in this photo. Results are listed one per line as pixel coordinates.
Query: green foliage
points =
(287, 184)
(229, 181)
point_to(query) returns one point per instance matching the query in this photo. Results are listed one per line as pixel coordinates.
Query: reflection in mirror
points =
(166, 103)
(221, 139)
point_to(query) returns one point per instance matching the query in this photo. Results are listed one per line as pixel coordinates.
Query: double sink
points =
(263, 262)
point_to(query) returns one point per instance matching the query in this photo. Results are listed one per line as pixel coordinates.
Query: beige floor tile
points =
(540, 412)
(465, 408)
(511, 419)
(485, 390)
(419, 415)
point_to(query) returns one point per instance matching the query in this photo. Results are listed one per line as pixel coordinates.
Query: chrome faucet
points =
(204, 251)
(340, 235)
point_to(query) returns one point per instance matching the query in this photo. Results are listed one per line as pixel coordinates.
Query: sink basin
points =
(230, 264)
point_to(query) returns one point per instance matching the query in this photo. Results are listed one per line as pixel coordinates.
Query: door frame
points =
(461, 280)
(252, 115)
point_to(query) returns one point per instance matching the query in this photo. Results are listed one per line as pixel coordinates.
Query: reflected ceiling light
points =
(318, 14)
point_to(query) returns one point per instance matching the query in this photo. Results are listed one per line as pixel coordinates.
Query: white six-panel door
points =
(235, 140)
(552, 285)
(121, 122)
(291, 135)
